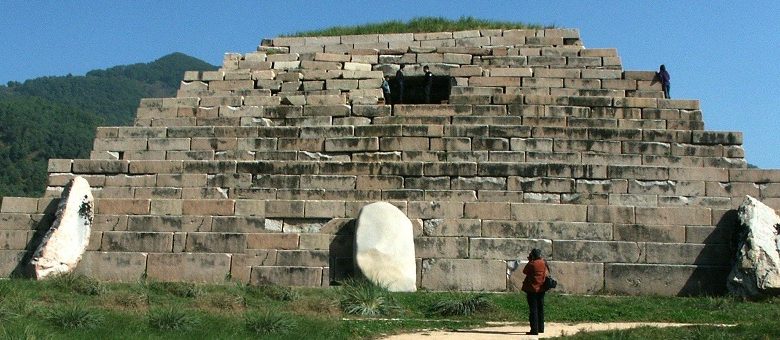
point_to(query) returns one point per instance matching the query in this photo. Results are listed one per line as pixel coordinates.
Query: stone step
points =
(398, 137)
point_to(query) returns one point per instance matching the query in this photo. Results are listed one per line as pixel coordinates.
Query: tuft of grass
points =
(418, 25)
(128, 300)
(362, 297)
(273, 292)
(460, 305)
(267, 323)
(78, 283)
(171, 319)
(222, 301)
(74, 317)
(179, 289)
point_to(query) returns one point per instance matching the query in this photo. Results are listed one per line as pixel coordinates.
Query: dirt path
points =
(515, 331)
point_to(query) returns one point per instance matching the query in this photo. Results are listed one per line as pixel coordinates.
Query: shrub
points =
(460, 306)
(171, 319)
(362, 297)
(81, 284)
(267, 323)
(74, 317)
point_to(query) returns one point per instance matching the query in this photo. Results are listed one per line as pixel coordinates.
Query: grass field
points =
(75, 307)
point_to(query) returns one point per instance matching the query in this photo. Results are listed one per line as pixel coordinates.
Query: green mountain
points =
(56, 117)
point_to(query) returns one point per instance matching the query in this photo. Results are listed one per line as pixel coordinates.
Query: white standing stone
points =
(63, 245)
(384, 247)
(756, 271)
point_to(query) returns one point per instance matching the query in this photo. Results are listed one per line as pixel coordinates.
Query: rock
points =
(756, 271)
(63, 244)
(384, 247)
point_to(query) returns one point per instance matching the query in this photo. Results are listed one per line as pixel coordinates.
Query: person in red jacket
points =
(533, 286)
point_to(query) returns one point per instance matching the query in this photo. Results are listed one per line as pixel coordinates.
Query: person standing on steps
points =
(665, 80)
(428, 84)
(533, 286)
(399, 78)
(386, 90)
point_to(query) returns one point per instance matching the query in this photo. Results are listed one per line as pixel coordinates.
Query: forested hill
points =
(56, 117)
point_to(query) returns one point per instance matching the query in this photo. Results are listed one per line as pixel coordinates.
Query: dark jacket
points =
(535, 273)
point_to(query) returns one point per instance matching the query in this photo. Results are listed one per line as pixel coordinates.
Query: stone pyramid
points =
(255, 172)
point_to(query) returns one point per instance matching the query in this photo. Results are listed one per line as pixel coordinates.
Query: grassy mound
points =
(417, 25)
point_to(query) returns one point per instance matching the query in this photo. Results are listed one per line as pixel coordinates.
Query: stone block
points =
(241, 264)
(688, 253)
(547, 230)
(208, 207)
(14, 239)
(19, 205)
(649, 233)
(9, 260)
(113, 266)
(216, 243)
(188, 267)
(238, 224)
(272, 241)
(505, 248)
(572, 277)
(425, 210)
(441, 247)
(673, 216)
(748, 175)
(451, 227)
(549, 212)
(463, 274)
(674, 280)
(287, 276)
(341, 84)
(122, 206)
(598, 251)
(137, 241)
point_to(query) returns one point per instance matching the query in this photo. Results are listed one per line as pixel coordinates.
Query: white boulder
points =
(756, 271)
(384, 247)
(63, 244)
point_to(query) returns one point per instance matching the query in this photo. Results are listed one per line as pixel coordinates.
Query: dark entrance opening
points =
(414, 90)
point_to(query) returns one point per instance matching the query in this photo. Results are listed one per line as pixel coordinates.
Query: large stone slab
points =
(63, 245)
(463, 274)
(384, 247)
(756, 271)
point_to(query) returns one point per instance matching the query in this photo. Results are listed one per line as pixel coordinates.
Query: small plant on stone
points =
(362, 297)
(460, 306)
(171, 319)
(74, 317)
(266, 323)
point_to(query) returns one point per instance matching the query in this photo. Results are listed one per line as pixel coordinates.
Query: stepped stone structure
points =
(256, 172)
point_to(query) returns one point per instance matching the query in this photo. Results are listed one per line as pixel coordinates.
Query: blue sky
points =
(721, 52)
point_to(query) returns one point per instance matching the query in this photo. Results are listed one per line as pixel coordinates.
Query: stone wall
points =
(255, 172)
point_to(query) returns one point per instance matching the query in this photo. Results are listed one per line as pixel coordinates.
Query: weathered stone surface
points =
(384, 247)
(188, 267)
(287, 276)
(113, 266)
(463, 274)
(63, 244)
(756, 271)
(643, 279)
